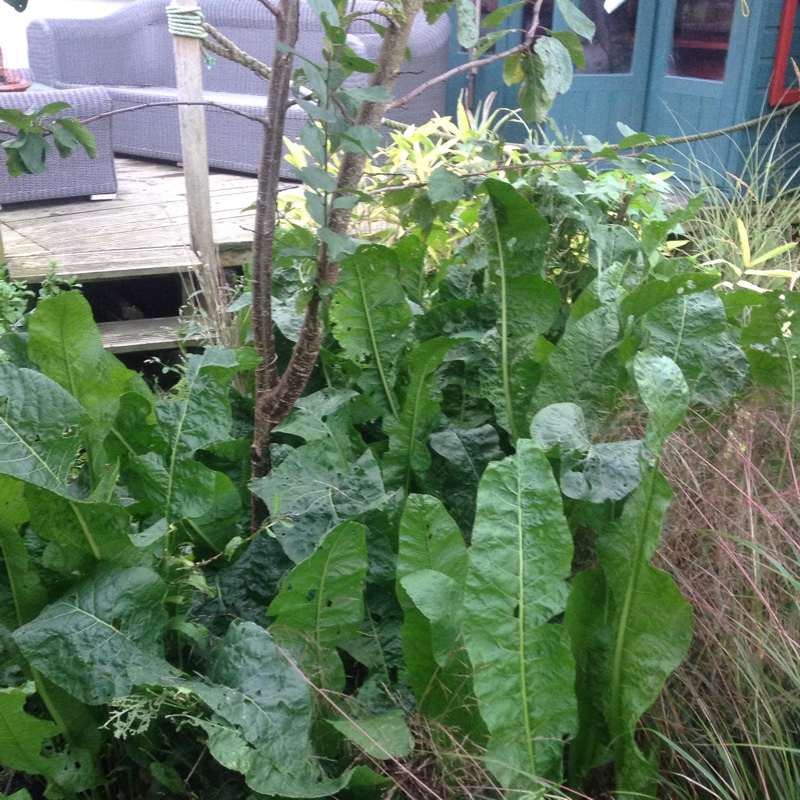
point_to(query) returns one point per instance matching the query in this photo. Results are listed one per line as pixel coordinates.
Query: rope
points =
(186, 21)
(225, 48)
(695, 137)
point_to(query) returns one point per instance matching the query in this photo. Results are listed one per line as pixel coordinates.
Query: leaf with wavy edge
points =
(41, 427)
(262, 716)
(22, 736)
(648, 624)
(321, 603)
(516, 236)
(371, 319)
(524, 672)
(66, 345)
(408, 433)
(102, 637)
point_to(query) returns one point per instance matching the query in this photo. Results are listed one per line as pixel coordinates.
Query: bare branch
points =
(271, 7)
(207, 103)
(469, 66)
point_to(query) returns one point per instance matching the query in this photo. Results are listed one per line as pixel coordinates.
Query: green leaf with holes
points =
(321, 604)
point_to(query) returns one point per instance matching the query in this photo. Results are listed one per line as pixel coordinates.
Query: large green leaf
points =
(371, 319)
(408, 433)
(586, 621)
(321, 605)
(431, 569)
(315, 488)
(101, 530)
(28, 596)
(771, 342)
(22, 736)
(459, 459)
(170, 480)
(383, 737)
(651, 627)
(600, 472)
(694, 332)
(524, 672)
(102, 637)
(647, 625)
(262, 716)
(584, 367)
(516, 236)
(432, 564)
(66, 345)
(177, 489)
(41, 429)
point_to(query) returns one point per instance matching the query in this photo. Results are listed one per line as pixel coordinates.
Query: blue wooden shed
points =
(669, 67)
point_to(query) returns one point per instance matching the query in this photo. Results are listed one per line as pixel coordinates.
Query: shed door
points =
(661, 66)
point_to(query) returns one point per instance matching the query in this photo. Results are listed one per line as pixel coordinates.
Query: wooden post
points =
(194, 147)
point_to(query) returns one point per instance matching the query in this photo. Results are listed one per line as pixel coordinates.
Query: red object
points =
(18, 86)
(779, 93)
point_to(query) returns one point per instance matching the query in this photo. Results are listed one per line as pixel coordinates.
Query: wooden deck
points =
(143, 232)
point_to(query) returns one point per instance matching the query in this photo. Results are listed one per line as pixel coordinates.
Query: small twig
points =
(208, 103)
(468, 66)
(271, 7)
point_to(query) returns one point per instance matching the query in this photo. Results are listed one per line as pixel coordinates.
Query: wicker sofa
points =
(76, 176)
(130, 53)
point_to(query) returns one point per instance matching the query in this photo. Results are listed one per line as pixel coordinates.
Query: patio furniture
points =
(130, 53)
(75, 176)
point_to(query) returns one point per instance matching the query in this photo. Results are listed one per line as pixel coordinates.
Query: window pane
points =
(612, 48)
(700, 40)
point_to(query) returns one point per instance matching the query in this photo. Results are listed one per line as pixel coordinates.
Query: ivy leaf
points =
(320, 605)
(524, 672)
(102, 637)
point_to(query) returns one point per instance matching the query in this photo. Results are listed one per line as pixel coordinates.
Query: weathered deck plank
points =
(144, 231)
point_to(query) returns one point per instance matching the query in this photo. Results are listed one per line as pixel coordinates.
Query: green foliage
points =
(478, 349)
(26, 153)
(523, 668)
(320, 605)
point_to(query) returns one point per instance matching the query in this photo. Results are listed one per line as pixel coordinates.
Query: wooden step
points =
(144, 335)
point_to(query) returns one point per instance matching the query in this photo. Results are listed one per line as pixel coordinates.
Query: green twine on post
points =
(186, 21)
